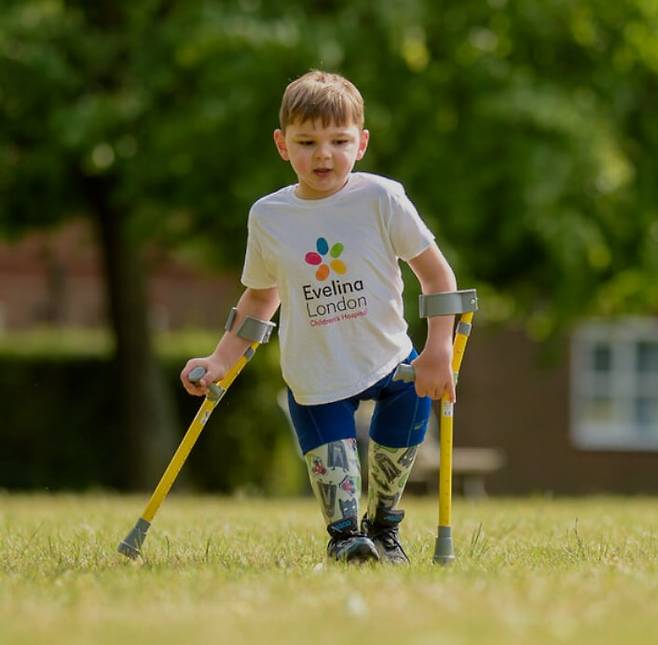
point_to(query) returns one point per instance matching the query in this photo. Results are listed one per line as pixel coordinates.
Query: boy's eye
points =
(305, 143)
(341, 142)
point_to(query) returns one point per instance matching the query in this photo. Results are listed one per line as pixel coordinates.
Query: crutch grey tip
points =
(443, 548)
(131, 545)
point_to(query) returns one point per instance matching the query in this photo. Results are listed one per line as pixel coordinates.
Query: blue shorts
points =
(399, 420)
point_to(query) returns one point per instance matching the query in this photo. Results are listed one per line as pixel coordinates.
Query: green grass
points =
(252, 571)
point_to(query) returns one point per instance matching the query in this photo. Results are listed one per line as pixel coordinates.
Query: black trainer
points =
(384, 531)
(348, 545)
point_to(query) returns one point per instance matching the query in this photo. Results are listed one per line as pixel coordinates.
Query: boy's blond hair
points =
(321, 96)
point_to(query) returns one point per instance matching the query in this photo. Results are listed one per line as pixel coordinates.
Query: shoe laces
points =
(389, 537)
(338, 540)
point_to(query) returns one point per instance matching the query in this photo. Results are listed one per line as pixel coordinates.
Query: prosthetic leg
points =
(335, 475)
(446, 304)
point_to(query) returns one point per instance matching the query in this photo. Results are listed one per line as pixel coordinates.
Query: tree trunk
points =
(149, 430)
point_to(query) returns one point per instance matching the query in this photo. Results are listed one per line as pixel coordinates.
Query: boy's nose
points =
(323, 151)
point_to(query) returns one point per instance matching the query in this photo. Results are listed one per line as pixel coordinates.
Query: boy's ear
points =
(280, 142)
(363, 144)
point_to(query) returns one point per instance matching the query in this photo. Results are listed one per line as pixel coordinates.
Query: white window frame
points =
(620, 385)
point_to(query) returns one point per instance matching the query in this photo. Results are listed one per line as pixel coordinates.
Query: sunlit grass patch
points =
(253, 570)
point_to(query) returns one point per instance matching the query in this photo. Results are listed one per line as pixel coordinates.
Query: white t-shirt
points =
(335, 263)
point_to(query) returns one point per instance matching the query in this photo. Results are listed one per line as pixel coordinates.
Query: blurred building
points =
(583, 420)
(55, 278)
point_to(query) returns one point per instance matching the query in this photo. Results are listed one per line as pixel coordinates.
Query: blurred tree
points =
(67, 116)
(150, 118)
(524, 131)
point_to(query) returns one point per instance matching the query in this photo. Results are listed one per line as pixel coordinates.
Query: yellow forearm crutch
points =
(258, 332)
(446, 304)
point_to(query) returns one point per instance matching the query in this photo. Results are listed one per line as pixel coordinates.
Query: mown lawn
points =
(226, 570)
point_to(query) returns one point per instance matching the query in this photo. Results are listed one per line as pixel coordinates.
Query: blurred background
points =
(135, 135)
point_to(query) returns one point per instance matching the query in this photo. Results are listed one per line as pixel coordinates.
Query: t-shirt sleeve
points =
(256, 271)
(409, 234)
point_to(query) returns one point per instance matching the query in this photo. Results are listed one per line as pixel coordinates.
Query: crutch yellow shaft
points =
(446, 425)
(192, 434)
(445, 464)
(177, 461)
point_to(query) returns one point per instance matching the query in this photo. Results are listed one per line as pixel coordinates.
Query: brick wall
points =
(56, 278)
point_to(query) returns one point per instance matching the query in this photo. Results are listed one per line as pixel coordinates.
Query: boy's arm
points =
(257, 303)
(433, 366)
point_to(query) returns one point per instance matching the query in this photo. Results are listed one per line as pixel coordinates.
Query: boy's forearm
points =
(257, 303)
(436, 276)
(440, 328)
(439, 333)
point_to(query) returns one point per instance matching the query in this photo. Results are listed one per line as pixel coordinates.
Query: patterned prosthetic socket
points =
(388, 471)
(335, 473)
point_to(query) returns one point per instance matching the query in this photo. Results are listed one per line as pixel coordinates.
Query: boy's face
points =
(322, 157)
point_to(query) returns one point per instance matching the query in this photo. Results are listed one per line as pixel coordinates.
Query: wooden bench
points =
(470, 469)
(470, 466)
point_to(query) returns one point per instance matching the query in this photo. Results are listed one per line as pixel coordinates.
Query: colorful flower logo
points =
(318, 259)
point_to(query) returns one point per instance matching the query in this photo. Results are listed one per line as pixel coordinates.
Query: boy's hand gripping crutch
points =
(445, 304)
(257, 332)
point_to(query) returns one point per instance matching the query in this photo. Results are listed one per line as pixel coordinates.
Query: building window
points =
(614, 385)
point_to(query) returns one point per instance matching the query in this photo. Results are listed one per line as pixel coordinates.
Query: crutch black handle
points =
(405, 372)
(196, 374)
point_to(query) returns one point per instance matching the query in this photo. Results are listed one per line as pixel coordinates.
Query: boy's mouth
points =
(322, 172)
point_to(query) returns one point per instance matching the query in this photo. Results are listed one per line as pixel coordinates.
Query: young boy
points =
(326, 249)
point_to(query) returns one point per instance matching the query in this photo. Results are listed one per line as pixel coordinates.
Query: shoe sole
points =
(364, 553)
(384, 557)
(361, 552)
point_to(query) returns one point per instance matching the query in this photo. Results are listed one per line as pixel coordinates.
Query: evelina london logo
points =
(326, 265)
(334, 300)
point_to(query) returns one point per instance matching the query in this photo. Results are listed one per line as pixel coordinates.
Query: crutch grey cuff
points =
(232, 315)
(447, 303)
(256, 331)
(251, 329)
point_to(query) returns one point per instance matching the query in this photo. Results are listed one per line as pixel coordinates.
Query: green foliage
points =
(525, 131)
(61, 429)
